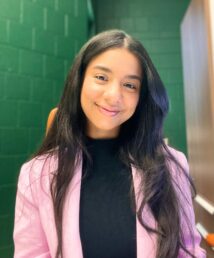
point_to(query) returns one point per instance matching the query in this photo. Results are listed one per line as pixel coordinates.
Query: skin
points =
(110, 92)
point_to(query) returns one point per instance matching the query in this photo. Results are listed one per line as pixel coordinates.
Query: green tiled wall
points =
(157, 25)
(38, 40)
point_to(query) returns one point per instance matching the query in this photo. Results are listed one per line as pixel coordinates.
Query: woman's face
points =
(110, 92)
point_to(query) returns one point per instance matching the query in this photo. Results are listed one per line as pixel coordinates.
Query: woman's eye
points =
(101, 77)
(130, 86)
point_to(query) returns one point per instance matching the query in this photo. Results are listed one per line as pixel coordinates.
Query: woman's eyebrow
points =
(135, 77)
(105, 69)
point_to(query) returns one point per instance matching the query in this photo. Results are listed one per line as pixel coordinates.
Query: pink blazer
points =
(34, 230)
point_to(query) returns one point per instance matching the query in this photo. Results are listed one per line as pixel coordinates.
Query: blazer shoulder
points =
(180, 157)
(37, 170)
(177, 154)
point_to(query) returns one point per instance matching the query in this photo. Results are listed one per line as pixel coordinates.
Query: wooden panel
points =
(197, 54)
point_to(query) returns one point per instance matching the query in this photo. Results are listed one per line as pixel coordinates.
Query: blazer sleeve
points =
(29, 237)
(182, 186)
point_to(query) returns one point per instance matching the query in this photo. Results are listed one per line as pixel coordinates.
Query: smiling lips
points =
(107, 111)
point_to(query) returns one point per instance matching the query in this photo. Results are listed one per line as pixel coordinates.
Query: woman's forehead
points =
(116, 59)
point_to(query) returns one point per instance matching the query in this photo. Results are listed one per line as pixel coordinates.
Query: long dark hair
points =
(141, 144)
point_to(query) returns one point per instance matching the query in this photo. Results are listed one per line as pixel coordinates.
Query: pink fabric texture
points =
(34, 229)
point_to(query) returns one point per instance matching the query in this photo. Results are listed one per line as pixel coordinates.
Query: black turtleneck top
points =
(107, 222)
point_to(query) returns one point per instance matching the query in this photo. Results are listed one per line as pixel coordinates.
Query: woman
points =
(104, 184)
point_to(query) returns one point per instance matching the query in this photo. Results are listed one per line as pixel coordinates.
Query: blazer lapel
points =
(146, 243)
(72, 242)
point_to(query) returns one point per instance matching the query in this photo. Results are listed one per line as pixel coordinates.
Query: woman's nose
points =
(113, 93)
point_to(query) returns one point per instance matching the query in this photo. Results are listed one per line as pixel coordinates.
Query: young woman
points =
(104, 184)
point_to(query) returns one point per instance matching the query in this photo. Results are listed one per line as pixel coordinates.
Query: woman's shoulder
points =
(173, 154)
(43, 166)
(178, 155)
(179, 169)
(177, 163)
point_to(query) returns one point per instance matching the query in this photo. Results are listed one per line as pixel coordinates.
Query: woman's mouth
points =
(107, 111)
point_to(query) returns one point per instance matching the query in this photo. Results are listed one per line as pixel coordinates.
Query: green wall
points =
(38, 40)
(156, 24)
